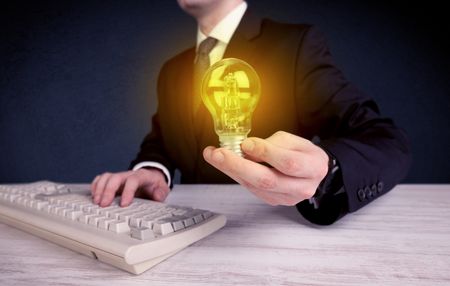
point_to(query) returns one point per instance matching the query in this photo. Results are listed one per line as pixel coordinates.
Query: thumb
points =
(248, 147)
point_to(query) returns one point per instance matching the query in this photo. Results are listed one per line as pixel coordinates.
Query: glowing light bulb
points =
(230, 90)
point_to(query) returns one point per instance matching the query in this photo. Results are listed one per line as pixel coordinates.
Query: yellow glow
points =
(231, 89)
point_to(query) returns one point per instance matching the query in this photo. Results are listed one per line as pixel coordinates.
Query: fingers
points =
(94, 185)
(151, 184)
(100, 187)
(235, 167)
(161, 193)
(291, 163)
(273, 199)
(290, 141)
(255, 176)
(129, 189)
(268, 197)
(105, 186)
(112, 186)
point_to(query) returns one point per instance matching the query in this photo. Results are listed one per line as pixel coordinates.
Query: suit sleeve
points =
(373, 154)
(153, 148)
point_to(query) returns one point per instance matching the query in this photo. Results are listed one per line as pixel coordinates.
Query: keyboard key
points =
(196, 215)
(106, 210)
(177, 225)
(13, 197)
(135, 221)
(56, 209)
(188, 221)
(40, 204)
(103, 223)
(163, 227)
(119, 227)
(63, 210)
(117, 212)
(207, 214)
(81, 206)
(93, 220)
(84, 218)
(127, 215)
(146, 223)
(48, 208)
(74, 214)
(142, 233)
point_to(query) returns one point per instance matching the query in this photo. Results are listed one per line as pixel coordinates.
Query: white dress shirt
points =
(223, 32)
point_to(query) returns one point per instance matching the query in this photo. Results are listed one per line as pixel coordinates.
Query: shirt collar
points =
(225, 29)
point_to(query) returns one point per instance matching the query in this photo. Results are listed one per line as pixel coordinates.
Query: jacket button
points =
(368, 192)
(361, 195)
(374, 189)
(380, 186)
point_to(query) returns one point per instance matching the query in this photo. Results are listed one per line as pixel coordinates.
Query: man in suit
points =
(326, 150)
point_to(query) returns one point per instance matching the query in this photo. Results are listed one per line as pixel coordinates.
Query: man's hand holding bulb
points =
(298, 167)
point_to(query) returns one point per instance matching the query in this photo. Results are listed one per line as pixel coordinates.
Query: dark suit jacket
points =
(302, 93)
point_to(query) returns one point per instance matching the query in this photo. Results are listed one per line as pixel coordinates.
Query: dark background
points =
(77, 78)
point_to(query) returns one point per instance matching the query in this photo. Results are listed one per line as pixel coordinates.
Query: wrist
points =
(330, 183)
(158, 166)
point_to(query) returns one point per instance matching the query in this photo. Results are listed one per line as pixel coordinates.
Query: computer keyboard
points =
(133, 238)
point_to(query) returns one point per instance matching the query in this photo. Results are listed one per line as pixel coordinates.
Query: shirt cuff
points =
(154, 165)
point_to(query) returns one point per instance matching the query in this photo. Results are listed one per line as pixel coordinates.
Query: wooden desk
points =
(403, 238)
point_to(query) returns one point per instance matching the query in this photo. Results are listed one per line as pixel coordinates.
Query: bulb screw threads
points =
(232, 143)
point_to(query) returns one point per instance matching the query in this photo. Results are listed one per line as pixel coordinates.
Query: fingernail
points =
(207, 152)
(248, 145)
(218, 157)
(103, 203)
(157, 195)
(96, 199)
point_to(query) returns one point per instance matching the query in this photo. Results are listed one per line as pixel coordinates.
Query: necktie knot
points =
(206, 46)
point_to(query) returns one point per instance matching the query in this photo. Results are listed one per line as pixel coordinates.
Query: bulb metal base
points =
(232, 143)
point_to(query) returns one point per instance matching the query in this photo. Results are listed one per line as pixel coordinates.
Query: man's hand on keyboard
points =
(298, 167)
(145, 183)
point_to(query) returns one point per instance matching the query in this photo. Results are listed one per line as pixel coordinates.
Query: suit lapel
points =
(241, 44)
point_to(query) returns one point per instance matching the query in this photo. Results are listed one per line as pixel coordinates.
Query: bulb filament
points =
(231, 104)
